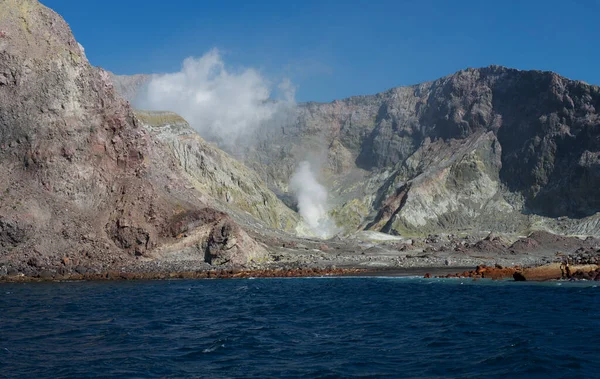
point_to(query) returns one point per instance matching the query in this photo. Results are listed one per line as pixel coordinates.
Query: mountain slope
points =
(83, 182)
(229, 184)
(482, 149)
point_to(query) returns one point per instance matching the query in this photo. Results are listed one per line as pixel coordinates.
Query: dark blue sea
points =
(300, 328)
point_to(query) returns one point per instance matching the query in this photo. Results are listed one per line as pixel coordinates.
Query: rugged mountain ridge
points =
(482, 149)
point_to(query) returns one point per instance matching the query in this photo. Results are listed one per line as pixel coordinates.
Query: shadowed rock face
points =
(80, 176)
(486, 148)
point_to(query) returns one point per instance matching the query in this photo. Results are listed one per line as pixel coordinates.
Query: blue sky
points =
(336, 49)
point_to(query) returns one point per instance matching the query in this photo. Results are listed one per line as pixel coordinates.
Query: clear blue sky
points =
(336, 49)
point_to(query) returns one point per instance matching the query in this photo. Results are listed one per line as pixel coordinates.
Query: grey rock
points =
(236, 188)
(12, 272)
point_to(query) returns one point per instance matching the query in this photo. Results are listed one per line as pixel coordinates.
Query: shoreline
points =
(239, 274)
(536, 273)
(206, 274)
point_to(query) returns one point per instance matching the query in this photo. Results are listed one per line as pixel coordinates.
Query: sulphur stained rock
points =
(216, 174)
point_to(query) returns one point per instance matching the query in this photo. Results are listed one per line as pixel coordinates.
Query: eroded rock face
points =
(480, 149)
(226, 246)
(217, 175)
(11, 234)
(80, 176)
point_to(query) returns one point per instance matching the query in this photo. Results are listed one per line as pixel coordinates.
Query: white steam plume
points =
(312, 202)
(221, 105)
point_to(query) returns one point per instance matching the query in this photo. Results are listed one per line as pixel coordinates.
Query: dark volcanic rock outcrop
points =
(81, 177)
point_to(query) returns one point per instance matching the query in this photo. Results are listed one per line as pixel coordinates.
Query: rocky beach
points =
(540, 256)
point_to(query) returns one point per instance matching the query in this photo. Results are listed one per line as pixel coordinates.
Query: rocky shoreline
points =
(555, 271)
(539, 256)
(209, 274)
(538, 273)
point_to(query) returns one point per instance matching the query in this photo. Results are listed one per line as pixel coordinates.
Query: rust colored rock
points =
(557, 271)
(545, 272)
(499, 273)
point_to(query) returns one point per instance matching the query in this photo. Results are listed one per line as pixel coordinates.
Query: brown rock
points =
(46, 274)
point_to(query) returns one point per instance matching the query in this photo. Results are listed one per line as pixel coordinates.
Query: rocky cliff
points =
(83, 182)
(482, 149)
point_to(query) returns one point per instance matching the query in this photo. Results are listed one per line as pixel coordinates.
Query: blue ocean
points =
(300, 328)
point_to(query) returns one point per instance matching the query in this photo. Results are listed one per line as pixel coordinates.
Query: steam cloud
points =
(221, 105)
(225, 106)
(312, 202)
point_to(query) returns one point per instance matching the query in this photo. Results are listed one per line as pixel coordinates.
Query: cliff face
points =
(482, 149)
(81, 178)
